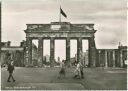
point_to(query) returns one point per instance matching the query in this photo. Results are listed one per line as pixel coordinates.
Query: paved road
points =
(46, 79)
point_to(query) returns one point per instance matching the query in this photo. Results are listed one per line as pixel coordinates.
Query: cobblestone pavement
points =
(47, 79)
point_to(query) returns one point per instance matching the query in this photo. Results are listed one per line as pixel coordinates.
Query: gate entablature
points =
(61, 26)
(61, 30)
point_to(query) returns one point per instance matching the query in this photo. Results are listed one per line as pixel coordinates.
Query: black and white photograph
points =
(63, 44)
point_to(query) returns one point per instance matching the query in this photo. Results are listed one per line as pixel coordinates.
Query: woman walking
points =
(62, 70)
(77, 71)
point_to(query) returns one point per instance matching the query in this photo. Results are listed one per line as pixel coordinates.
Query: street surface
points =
(47, 79)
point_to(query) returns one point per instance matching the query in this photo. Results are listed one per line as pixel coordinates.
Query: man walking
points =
(10, 69)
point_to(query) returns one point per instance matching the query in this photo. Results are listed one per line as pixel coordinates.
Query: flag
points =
(63, 13)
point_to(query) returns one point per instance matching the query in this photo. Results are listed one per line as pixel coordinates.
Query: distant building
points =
(85, 57)
(47, 58)
(58, 59)
(112, 57)
(15, 53)
(72, 61)
(106, 57)
(6, 44)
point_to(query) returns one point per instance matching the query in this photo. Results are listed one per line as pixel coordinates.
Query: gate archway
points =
(61, 30)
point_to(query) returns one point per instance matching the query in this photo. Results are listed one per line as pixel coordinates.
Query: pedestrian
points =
(81, 64)
(10, 69)
(77, 71)
(81, 70)
(62, 70)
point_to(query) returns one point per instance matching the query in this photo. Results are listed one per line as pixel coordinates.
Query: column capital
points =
(30, 38)
(68, 38)
(40, 38)
(52, 38)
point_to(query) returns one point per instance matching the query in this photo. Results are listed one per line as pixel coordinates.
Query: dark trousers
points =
(10, 76)
(82, 74)
(62, 73)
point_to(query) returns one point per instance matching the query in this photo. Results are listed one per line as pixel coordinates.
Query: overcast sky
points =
(109, 17)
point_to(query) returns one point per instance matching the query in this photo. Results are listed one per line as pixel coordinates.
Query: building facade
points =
(112, 57)
(63, 30)
(27, 54)
(14, 53)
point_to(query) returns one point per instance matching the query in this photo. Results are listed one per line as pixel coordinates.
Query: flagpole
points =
(60, 15)
(59, 12)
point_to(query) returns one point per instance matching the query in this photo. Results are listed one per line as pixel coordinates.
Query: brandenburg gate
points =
(61, 30)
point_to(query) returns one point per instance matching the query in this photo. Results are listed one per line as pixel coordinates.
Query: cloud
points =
(109, 17)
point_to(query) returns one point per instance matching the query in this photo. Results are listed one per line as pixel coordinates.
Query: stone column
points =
(113, 55)
(99, 58)
(29, 51)
(52, 45)
(40, 51)
(79, 48)
(106, 59)
(109, 59)
(121, 60)
(92, 52)
(68, 51)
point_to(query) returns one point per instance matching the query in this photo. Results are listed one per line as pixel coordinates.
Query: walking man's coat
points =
(10, 70)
